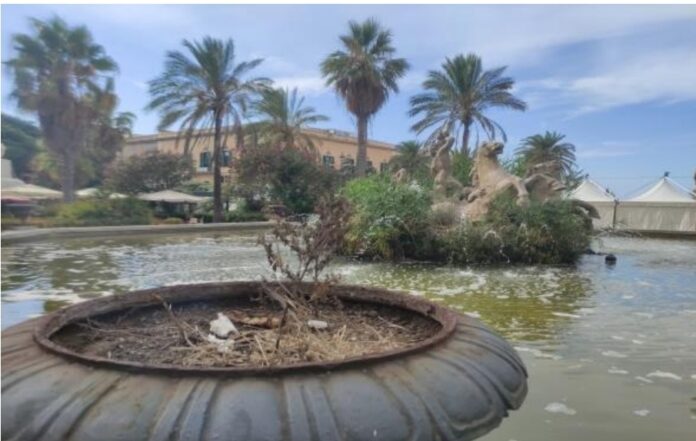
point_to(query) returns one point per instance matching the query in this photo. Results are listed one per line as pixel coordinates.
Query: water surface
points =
(611, 350)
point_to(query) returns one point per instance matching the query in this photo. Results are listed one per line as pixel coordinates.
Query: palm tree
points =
(107, 134)
(461, 93)
(203, 90)
(364, 74)
(539, 148)
(410, 158)
(284, 117)
(54, 68)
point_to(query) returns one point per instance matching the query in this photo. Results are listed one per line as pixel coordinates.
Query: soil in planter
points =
(155, 335)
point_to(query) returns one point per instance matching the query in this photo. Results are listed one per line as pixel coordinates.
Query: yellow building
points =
(333, 146)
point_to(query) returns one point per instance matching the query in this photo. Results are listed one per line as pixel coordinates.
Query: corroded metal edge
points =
(212, 291)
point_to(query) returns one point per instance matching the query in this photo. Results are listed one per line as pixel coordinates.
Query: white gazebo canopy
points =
(664, 190)
(171, 196)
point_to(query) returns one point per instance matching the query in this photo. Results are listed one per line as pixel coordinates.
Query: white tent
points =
(172, 197)
(591, 192)
(664, 207)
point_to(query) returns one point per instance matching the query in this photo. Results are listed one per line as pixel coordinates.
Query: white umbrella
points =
(171, 196)
(92, 192)
(30, 191)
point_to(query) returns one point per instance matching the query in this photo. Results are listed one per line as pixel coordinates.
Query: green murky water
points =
(611, 351)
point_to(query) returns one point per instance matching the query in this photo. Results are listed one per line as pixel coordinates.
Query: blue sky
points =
(619, 81)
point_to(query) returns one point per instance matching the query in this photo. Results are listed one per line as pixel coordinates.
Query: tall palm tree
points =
(462, 93)
(205, 89)
(364, 74)
(539, 148)
(284, 117)
(55, 67)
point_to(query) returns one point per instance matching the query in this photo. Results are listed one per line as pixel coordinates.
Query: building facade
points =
(334, 148)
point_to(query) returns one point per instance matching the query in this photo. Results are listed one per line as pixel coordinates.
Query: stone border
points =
(31, 235)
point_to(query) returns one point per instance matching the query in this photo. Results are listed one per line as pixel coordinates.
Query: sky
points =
(618, 81)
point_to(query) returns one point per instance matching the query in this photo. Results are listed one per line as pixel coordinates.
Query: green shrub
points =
(549, 233)
(389, 220)
(172, 221)
(245, 216)
(104, 211)
(282, 176)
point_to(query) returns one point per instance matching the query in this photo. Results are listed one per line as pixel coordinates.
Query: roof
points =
(339, 135)
(172, 197)
(664, 190)
(590, 191)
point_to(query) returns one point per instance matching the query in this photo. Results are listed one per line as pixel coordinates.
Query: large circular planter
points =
(457, 385)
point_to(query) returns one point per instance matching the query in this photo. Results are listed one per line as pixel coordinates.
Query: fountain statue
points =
(489, 179)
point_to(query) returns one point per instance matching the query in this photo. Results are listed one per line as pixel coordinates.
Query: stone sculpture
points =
(452, 200)
(489, 180)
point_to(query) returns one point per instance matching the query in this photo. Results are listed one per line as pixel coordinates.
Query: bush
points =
(393, 221)
(148, 173)
(283, 176)
(389, 220)
(104, 211)
(548, 233)
(172, 221)
(245, 216)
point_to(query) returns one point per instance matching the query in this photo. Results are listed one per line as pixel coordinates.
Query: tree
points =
(461, 93)
(152, 172)
(21, 138)
(410, 158)
(285, 176)
(537, 149)
(364, 74)
(205, 89)
(55, 67)
(284, 117)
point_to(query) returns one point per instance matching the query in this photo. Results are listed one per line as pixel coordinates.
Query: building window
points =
(328, 161)
(347, 162)
(226, 158)
(382, 167)
(204, 160)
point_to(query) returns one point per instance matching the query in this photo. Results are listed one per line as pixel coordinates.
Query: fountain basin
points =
(457, 384)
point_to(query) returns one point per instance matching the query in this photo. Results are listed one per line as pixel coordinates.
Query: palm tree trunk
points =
(68, 175)
(361, 161)
(217, 175)
(239, 136)
(465, 138)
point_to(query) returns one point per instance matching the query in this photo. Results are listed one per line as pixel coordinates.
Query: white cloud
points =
(660, 76)
(305, 84)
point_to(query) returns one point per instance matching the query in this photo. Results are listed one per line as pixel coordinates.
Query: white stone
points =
(222, 326)
(317, 324)
(642, 412)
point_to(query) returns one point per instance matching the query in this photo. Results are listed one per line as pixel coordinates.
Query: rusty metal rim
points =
(447, 318)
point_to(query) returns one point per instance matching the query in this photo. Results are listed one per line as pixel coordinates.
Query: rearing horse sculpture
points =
(490, 179)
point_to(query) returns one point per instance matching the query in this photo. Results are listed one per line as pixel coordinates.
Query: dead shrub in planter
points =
(313, 241)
